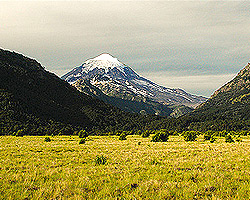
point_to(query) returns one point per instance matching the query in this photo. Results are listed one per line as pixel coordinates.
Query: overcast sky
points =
(196, 46)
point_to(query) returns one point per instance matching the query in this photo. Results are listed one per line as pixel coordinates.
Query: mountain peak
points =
(106, 57)
(117, 79)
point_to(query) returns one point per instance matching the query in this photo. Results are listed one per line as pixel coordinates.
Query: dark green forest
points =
(38, 102)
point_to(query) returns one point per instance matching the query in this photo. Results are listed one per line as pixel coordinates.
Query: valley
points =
(124, 100)
(134, 168)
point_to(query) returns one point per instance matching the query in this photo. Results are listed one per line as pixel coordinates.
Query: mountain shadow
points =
(33, 98)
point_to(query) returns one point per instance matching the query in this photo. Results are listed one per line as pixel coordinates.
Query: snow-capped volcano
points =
(106, 57)
(117, 79)
(104, 62)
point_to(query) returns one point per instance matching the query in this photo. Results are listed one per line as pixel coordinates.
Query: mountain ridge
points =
(37, 100)
(150, 107)
(116, 79)
(228, 107)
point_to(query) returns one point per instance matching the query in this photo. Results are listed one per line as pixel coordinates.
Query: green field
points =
(31, 168)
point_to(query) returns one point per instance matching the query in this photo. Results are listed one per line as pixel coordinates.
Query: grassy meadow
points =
(136, 168)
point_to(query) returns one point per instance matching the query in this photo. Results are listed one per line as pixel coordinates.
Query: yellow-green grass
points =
(31, 168)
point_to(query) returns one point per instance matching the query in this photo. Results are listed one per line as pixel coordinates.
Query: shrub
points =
(82, 134)
(175, 133)
(110, 133)
(20, 133)
(132, 132)
(223, 133)
(138, 132)
(212, 139)
(208, 135)
(100, 160)
(189, 135)
(160, 136)
(145, 133)
(47, 139)
(118, 133)
(238, 139)
(245, 133)
(82, 141)
(123, 136)
(229, 138)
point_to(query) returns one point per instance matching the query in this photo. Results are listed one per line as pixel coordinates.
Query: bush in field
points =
(175, 133)
(146, 133)
(82, 141)
(132, 132)
(160, 136)
(110, 133)
(118, 133)
(238, 138)
(223, 133)
(123, 136)
(229, 138)
(189, 135)
(212, 139)
(208, 135)
(20, 133)
(244, 133)
(82, 134)
(47, 139)
(100, 160)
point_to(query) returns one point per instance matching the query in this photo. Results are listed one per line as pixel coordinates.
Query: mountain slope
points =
(228, 107)
(150, 107)
(116, 79)
(232, 99)
(32, 97)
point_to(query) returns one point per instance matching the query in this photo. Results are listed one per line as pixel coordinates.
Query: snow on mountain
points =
(117, 79)
(106, 57)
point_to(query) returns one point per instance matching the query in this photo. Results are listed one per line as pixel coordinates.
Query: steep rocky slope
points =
(32, 98)
(149, 106)
(116, 79)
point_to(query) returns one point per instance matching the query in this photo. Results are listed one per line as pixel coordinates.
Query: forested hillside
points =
(40, 102)
(227, 109)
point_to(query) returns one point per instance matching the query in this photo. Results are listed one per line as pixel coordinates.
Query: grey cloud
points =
(177, 38)
(200, 84)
